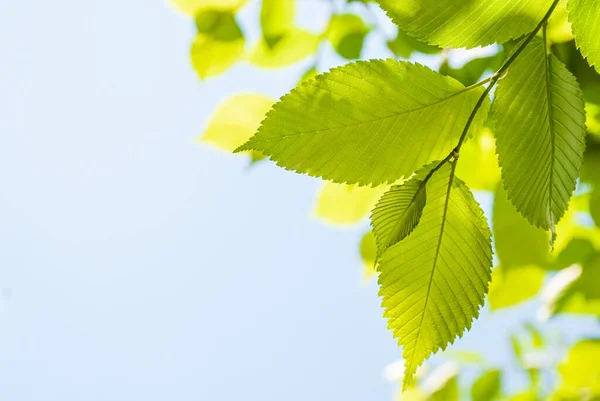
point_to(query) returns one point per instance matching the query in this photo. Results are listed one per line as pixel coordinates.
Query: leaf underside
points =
(460, 23)
(434, 281)
(540, 129)
(368, 122)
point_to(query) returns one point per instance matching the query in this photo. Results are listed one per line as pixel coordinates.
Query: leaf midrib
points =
(395, 115)
(437, 253)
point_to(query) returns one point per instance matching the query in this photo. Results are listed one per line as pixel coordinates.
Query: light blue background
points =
(139, 265)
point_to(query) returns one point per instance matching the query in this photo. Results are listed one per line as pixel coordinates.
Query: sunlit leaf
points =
(487, 386)
(511, 286)
(434, 281)
(459, 23)
(292, 47)
(478, 166)
(559, 27)
(347, 33)
(218, 45)
(540, 135)
(517, 242)
(276, 18)
(368, 122)
(236, 120)
(192, 7)
(404, 45)
(398, 212)
(584, 16)
(368, 253)
(580, 371)
(342, 204)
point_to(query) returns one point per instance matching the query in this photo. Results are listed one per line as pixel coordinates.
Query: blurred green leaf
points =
(294, 46)
(236, 120)
(517, 242)
(511, 286)
(578, 250)
(478, 166)
(342, 204)
(447, 391)
(403, 45)
(487, 386)
(309, 74)
(192, 7)
(574, 290)
(218, 45)
(595, 205)
(472, 71)
(580, 371)
(276, 18)
(347, 33)
(368, 253)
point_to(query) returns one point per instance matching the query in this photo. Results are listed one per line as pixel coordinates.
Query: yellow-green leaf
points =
(292, 47)
(584, 16)
(347, 34)
(192, 7)
(368, 253)
(276, 18)
(236, 120)
(343, 204)
(580, 371)
(514, 285)
(478, 166)
(218, 45)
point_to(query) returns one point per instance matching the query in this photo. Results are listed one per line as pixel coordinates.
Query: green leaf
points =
(517, 242)
(576, 290)
(472, 71)
(218, 45)
(368, 253)
(584, 16)
(342, 204)
(540, 135)
(276, 18)
(434, 281)
(487, 386)
(580, 371)
(595, 205)
(460, 23)
(192, 7)
(347, 33)
(478, 165)
(577, 251)
(448, 391)
(292, 47)
(309, 74)
(404, 45)
(514, 285)
(368, 122)
(397, 213)
(236, 120)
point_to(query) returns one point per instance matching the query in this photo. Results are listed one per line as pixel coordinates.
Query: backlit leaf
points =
(347, 33)
(292, 47)
(397, 213)
(459, 23)
(540, 135)
(580, 371)
(236, 120)
(368, 253)
(434, 281)
(514, 285)
(478, 166)
(343, 204)
(487, 386)
(218, 45)
(276, 18)
(584, 16)
(403, 45)
(192, 7)
(368, 122)
(517, 242)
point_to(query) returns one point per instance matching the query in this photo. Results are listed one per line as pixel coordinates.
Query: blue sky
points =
(139, 265)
